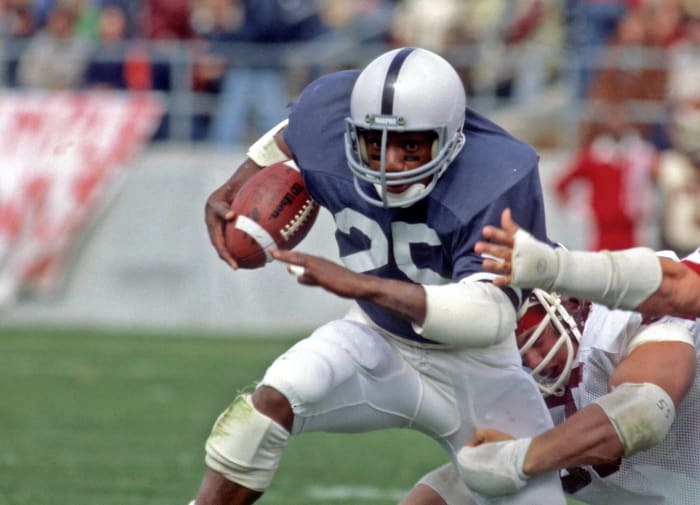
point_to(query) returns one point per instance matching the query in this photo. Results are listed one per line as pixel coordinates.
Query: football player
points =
(410, 176)
(624, 393)
(630, 279)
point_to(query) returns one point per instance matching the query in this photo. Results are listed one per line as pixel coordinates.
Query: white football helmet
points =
(406, 89)
(540, 309)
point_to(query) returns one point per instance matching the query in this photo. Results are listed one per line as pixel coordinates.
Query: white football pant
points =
(347, 377)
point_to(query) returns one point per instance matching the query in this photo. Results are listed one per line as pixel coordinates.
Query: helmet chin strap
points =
(407, 196)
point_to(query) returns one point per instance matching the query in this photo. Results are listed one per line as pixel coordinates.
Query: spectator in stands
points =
(665, 23)
(684, 64)
(591, 23)
(618, 168)
(427, 23)
(17, 25)
(679, 180)
(633, 70)
(528, 31)
(56, 57)
(161, 20)
(212, 21)
(360, 21)
(679, 168)
(256, 80)
(447, 27)
(105, 68)
(350, 23)
(166, 19)
(118, 61)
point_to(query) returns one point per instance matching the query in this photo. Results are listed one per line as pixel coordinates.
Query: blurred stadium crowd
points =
(617, 80)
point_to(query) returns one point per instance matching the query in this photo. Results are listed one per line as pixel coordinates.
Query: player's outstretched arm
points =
(404, 298)
(618, 279)
(635, 415)
(476, 314)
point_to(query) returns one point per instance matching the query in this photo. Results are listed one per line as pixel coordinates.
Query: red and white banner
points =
(61, 156)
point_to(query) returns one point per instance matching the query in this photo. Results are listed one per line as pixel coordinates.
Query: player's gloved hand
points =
(494, 468)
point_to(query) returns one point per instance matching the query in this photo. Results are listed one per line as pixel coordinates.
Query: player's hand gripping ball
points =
(272, 208)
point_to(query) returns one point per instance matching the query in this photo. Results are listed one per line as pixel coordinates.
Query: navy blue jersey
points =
(432, 241)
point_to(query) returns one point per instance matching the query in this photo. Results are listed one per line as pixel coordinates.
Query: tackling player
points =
(410, 176)
(630, 279)
(624, 395)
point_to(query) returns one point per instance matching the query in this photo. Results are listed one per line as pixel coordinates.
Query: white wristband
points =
(534, 263)
(494, 468)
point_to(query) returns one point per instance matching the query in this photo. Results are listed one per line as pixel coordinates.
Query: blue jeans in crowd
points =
(248, 94)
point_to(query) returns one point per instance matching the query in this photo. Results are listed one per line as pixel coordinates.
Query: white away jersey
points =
(668, 474)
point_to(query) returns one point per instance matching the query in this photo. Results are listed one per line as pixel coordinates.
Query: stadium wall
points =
(146, 262)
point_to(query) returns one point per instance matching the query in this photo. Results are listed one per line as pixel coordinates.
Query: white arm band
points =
(265, 151)
(467, 313)
(663, 331)
(617, 279)
(641, 414)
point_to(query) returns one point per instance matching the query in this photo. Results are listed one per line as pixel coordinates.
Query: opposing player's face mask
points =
(548, 336)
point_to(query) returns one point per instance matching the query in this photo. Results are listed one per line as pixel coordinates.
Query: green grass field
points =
(99, 418)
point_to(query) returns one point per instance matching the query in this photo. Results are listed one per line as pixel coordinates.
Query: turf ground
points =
(99, 418)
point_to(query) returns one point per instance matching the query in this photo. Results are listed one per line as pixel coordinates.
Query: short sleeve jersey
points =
(430, 242)
(665, 474)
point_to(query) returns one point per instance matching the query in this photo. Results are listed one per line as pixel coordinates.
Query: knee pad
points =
(246, 446)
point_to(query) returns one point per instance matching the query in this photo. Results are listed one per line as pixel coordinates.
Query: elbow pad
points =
(467, 313)
(641, 414)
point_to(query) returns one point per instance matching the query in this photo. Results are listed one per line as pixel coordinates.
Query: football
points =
(272, 208)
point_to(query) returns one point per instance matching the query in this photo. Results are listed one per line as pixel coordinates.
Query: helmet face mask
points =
(541, 310)
(404, 90)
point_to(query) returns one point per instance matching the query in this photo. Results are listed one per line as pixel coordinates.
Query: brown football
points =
(272, 208)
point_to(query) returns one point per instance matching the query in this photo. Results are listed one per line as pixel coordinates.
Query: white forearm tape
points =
(265, 151)
(617, 279)
(494, 468)
(467, 313)
(675, 330)
(641, 414)
(246, 446)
